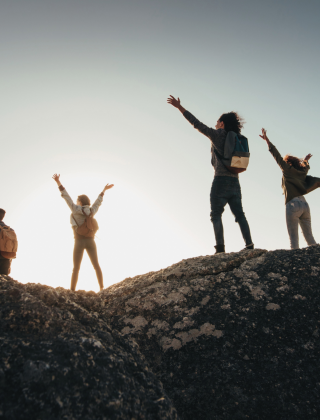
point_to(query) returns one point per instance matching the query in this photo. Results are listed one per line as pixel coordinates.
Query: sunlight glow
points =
(134, 237)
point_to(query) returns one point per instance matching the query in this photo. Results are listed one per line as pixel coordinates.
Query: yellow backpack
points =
(8, 239)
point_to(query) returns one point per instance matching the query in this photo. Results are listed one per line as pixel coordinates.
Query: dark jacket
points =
(218, 139)
(294, 182)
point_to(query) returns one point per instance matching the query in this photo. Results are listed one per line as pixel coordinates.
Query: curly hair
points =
(295, 162)
(232, 122)
(85, 200)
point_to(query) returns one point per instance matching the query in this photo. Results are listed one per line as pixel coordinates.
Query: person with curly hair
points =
(295, 184)
(225, 186)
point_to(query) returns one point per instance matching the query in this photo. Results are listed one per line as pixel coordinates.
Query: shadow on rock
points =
(59, 360)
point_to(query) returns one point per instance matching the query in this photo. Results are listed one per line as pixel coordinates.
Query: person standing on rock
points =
(295, 184)
(8, 245)
(80, 219)
(225, 186)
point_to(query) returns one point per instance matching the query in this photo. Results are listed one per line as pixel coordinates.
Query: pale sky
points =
(83, 93)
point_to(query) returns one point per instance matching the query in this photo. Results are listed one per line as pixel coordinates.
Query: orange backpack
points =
(89, 227)
(8, 239)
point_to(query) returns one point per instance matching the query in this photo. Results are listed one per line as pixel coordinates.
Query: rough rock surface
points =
(231, 336)
(60, 360)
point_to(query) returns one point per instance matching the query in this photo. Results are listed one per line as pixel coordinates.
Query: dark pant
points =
(80, 244)
(226, 190)
(5, 265)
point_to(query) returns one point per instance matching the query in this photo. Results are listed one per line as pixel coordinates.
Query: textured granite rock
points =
(231, 336)
(60, 360)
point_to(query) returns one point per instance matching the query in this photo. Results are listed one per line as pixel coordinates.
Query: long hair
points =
(295, 162)
(232, 122)
(85, 200)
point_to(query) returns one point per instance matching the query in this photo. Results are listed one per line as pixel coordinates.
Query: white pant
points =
(298, 212)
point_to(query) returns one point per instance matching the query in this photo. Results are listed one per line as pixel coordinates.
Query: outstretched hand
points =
(264, 135)
(309, 156)
(57, 179)
(173, 101)
(107, 187)
(176, 103)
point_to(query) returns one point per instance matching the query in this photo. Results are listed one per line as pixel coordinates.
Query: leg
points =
(305, 224)
(292, 218)
(218, 202)
(93, 255)
(235, 203)
(77, 258)
(5, 266)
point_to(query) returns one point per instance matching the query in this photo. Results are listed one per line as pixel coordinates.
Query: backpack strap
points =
(83, 214)
(74, 220)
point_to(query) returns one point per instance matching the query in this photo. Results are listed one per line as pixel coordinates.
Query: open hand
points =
(107, 187)
(173, 101)
(264, 134)
(56, 178)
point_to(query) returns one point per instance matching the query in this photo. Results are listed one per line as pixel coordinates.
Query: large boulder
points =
(60, 360)
(231, 336)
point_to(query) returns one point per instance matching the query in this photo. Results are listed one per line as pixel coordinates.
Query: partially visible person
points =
(295, 184)
(79, 216)
(8, 243)
(225, 186)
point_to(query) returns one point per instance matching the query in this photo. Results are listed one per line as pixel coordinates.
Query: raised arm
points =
(273, 150)
(202, 128)
(57, 179)
(98, 202)
(73, 207)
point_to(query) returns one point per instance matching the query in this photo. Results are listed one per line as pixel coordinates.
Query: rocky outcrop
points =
(230, 336)
(60, 360)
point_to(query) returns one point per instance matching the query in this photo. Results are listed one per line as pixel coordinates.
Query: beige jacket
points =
(77, 210)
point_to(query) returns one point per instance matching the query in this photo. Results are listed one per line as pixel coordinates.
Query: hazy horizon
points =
(84, 88)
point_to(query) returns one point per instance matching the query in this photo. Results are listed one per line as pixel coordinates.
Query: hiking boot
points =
(219, 249)
(251, 246)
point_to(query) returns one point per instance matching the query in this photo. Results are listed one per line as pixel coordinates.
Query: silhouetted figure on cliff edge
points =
(225, 186)
(8, 245)
(84, 229)
(295, 184)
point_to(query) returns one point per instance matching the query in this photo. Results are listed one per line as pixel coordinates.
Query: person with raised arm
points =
(225, 186)
(295, 184)
(84, 228)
